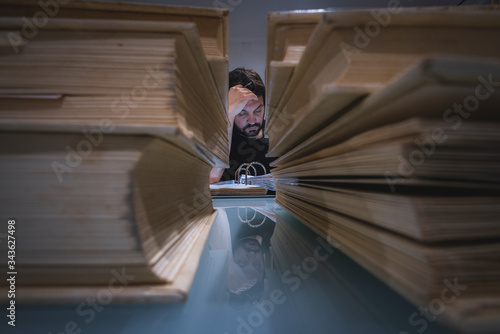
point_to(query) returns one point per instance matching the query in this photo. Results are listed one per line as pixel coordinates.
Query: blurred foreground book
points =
(112, 116)
(390, 148)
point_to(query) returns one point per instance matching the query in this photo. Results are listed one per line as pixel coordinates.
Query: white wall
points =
(247, 20)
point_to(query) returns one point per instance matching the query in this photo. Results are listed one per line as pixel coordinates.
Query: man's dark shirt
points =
(244, 150)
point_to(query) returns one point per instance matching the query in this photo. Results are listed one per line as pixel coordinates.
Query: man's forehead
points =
(253, 105)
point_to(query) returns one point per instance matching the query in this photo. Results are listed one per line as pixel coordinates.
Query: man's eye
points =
(243, 113)
(258, 111)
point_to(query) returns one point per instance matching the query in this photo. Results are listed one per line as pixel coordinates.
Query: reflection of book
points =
(266, 211)
(335, 293)
(229, 188)
(417, 271)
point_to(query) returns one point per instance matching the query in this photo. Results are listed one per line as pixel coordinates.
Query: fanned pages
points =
(439, 86)
(387, 144)
(417, 271)
(103, 75)
(83, 213)
(211, 23)
(112, 116)
(341, 52)
(287, 36)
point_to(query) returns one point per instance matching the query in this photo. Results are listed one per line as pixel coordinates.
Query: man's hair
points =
(248, 78)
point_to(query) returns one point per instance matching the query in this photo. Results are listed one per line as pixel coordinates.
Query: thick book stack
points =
(287, 36)
(111, 119)
(325, 290)
(212, 25)
(387, 138)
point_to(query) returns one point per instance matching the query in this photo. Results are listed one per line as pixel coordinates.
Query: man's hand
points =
(238, 97)
(216, 174)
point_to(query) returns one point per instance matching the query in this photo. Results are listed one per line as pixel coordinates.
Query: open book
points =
(230, 188)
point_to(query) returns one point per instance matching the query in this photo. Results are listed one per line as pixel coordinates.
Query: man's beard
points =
(251, 133)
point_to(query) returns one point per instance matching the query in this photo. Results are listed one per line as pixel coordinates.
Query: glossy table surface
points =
(262, 271)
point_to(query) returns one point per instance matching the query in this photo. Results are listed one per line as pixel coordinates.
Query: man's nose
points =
(252, 119)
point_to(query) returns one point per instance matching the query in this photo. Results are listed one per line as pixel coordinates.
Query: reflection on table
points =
(262, 271)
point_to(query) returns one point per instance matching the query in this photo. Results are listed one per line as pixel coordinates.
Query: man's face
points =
(249, 121)
(248, 255)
